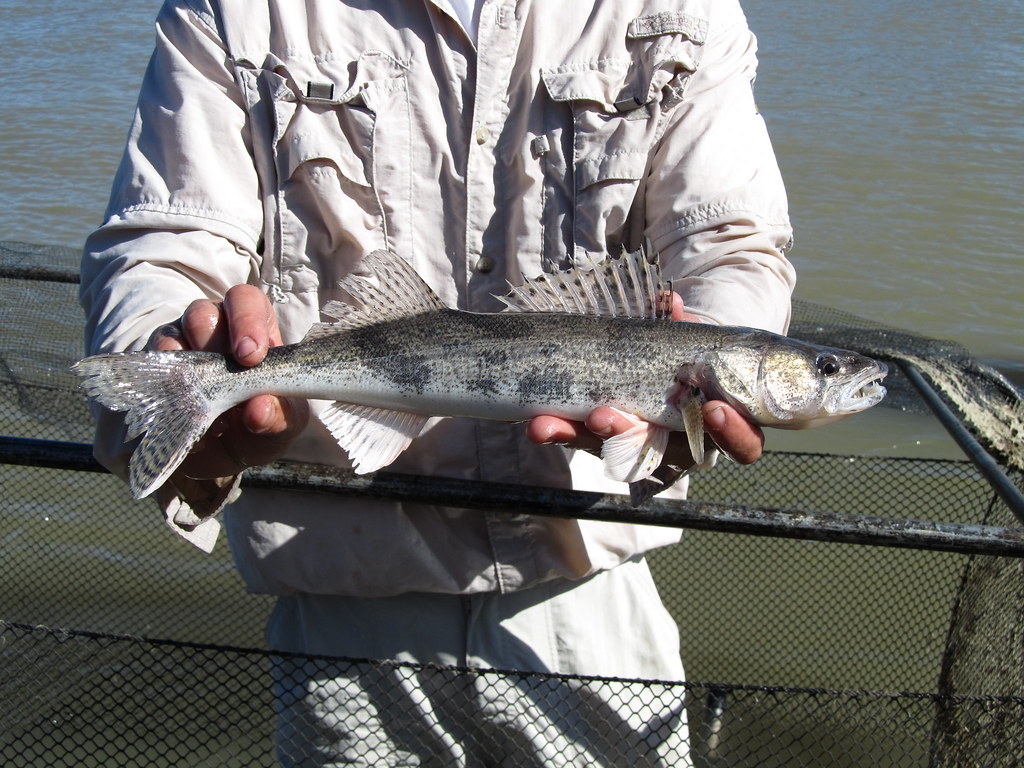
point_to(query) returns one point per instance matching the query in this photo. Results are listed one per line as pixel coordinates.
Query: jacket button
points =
(482, 134)
(484, 264)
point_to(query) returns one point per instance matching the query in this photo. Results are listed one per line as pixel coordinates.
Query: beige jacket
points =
(277, 142)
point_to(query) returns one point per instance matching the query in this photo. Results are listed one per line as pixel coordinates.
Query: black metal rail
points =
(553, 502)
(986, 465)
(822, 526)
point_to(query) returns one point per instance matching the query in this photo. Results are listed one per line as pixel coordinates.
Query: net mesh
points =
(122, 646)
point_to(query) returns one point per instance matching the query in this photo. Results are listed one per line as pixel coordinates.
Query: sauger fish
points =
(569, 343)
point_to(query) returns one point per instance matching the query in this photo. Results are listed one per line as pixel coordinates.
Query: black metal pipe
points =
(584, 505)
(51, 454)
(982, 459)
(39, 272)
(556, 502)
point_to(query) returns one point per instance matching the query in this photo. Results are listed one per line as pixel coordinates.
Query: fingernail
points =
(245, 347)
(601, 422)
(715, 419)
(555, 437)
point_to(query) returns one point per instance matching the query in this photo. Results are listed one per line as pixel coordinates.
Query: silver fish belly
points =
(571, 343)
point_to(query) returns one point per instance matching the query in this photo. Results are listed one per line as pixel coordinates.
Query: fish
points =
(393, 355)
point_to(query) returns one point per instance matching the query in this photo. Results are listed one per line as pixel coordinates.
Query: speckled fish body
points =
(387, 367)
(503, 366)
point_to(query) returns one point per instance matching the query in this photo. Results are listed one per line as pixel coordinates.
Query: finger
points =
(251, 322)
(671, 303)
(601, 423)
(732, 433)
(588, 435)
(679, 312)
(607, 422)
(727, 428)
(256, 432)
(269, 424)
(272, 416)
(203, 328)
(167, 338)
(551, 430)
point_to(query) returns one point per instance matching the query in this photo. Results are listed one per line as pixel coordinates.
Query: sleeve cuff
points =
(190, 506)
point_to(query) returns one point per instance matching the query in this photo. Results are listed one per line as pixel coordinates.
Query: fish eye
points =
(828, 365)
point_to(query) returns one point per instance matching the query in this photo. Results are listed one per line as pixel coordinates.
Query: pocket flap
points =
(316, 134)
(325, 117)
(619, 165)
(619, 85)
(598, 81)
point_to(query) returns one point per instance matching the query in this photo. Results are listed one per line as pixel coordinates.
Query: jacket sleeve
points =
(183, 223)
(716, 204)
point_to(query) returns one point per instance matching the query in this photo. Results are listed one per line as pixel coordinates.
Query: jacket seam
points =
(712, 211)
(203, 214)
(208, 18)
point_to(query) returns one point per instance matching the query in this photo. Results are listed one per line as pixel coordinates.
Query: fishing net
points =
(807, 644)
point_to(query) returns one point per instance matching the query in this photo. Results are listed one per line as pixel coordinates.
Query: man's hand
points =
(730, 432)
(258, 431)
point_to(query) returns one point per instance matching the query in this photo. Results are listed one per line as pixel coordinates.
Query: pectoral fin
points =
(372, 437)
(636, 453)
(693, 419)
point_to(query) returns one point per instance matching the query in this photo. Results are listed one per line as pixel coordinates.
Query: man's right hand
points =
(258, 431)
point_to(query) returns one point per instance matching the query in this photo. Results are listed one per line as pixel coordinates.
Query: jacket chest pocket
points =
(334, 168)
(617, 107)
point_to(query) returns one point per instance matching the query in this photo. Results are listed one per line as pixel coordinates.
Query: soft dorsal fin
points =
(626, 285)
(385, 288)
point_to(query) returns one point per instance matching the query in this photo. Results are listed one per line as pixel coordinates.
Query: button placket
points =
(497, 38)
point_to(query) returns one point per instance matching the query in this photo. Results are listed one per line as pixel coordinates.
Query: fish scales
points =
(395, 356)
(500, 366)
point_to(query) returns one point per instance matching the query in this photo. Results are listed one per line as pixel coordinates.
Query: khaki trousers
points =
(421, 712)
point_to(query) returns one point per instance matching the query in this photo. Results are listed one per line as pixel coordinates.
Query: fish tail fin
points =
(163, 397)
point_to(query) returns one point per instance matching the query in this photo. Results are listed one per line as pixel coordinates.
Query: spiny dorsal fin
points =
(619, 286)
(385, 288)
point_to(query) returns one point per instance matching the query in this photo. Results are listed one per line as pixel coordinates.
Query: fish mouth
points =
(865, 390)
